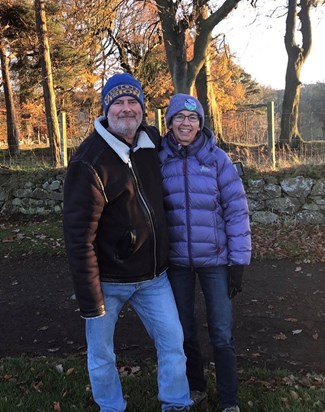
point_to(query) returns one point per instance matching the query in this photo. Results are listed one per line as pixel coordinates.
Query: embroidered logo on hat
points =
(121, 89)
(190, 104)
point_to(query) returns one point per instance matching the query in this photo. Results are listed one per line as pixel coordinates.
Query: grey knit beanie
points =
(181, 102)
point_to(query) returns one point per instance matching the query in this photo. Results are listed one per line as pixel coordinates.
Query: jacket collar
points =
(203, 148)
(182, 151)
(121, 149)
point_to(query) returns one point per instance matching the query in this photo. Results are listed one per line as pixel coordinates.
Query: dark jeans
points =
(214, 285)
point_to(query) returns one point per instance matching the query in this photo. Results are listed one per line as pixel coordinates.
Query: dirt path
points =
(279, 318)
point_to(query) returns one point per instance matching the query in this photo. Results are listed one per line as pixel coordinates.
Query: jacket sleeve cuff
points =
(93, 314)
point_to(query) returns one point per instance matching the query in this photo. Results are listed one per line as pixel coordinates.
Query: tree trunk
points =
(12, 128)
(48, 88)
(206, 95)
(184, 72)
(296, 58)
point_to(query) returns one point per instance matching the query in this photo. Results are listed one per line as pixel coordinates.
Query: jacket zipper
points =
(149, 214)
(187, 203)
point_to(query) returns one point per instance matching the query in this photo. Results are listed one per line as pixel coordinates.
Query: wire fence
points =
(245, 138)
(245, 135)
(251, 126)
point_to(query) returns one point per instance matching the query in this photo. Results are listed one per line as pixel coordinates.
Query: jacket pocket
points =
(125, 246)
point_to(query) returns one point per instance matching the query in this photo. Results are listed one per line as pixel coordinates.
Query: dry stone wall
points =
(39, 194)
(292, 199)
(271, 199)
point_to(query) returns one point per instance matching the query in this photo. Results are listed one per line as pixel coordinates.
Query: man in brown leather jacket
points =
(117, 247)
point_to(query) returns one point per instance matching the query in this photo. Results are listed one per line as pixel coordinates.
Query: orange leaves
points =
(226, 75)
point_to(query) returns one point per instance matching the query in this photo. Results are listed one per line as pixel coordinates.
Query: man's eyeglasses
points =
(192, 118)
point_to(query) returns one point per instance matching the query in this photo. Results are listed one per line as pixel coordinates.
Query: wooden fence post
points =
(158, 120)
(63, 134)
(270, 132)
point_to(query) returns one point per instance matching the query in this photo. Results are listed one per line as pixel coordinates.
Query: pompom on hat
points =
(121, 85)
(181, 102)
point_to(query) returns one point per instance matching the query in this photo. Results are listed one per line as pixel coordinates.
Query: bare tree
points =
(12, 128)
(195, 20)
(48, 88)
(137, 47)
(297, 56)
(176, 20)
(12, 26)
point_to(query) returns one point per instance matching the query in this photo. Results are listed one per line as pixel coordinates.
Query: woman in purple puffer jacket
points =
(209, 233)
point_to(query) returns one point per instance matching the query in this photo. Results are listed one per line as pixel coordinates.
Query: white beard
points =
(126, 129)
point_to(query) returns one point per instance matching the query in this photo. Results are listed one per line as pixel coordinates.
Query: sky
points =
(257, 41)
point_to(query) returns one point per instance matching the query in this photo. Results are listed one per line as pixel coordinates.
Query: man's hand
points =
(235, 276)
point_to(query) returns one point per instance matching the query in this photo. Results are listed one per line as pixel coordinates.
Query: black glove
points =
(235, 276)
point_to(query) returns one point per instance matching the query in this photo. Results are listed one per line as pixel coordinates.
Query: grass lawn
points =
(53, 384)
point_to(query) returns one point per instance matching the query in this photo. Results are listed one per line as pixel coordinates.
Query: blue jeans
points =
(154, 303)
(214, 285)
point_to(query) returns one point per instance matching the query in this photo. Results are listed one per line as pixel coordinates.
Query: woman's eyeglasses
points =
(192, 118)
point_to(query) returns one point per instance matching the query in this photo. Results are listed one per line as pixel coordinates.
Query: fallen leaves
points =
(53, 350)
(38, 386)
(60, 369)
(126, 370)
(70, 371)
(24, 239)
(8, 239)
(57, 406)
(310, 380)
(315, 336)
(9, 378)
(294, 395)
(301, 242)
(32, 239)
(280, 336)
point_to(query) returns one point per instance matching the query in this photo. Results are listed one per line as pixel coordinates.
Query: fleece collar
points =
(120, 148)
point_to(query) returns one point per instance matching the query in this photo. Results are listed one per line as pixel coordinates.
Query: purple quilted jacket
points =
(205, 204)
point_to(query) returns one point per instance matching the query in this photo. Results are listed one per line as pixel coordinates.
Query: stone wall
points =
(271, 198)
(293, 199)
(31, 194)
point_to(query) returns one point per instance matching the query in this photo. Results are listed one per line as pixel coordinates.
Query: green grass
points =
(53, 384)
(42, 238)
(37, 238)
(38, 385)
